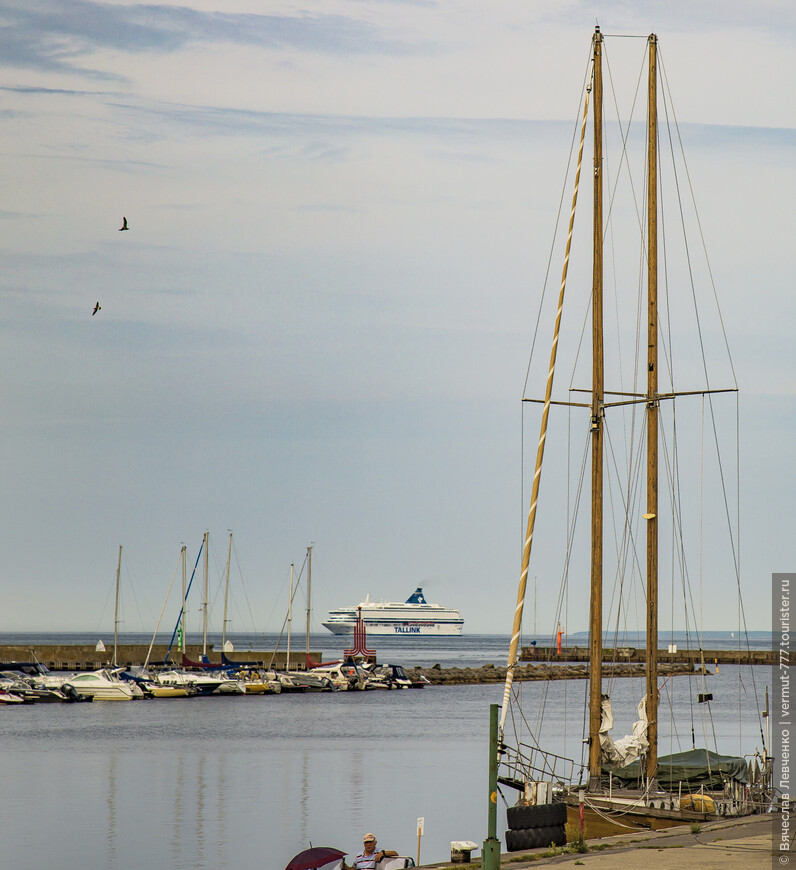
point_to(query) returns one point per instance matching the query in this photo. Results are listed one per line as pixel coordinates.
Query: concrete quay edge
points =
(631, 851)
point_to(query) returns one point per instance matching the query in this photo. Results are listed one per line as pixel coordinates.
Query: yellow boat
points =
(169, 691)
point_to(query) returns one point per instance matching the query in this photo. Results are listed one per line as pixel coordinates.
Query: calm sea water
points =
(249, 781)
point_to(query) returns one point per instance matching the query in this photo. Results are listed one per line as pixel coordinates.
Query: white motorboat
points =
(343, 676)
(102, 686)
(204, 684)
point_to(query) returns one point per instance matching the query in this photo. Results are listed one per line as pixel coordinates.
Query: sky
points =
(317, 329)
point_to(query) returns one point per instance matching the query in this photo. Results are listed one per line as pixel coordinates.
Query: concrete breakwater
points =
(626, 654)
(76, 657)
(440, 676)
(86, 657)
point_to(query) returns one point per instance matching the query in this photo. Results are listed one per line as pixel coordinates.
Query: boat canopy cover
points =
(698, 767)
(417, 597)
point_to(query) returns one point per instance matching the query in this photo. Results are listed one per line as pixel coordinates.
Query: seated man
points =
(368, 858)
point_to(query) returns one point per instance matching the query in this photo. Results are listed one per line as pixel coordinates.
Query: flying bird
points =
(96, 309)
(124, 225)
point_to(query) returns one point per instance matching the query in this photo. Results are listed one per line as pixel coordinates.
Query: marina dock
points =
(742, 843)
(86, 657)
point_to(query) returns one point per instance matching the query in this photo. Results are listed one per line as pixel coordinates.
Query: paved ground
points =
(743, 844)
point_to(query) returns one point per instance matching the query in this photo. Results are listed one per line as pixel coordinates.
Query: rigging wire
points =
(732, 539)
(624, 136)
(296, 583)
(578, 125)
(677, 529)
(163, 610)
(696, 214)
(586, 79)
(626, 549)
(526, 552)
(623, 159)
(565, 574)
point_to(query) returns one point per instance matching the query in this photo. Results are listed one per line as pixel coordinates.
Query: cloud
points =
(320, 137)
(40, 91)
(679, 15)
(51, 36)
(219, 120)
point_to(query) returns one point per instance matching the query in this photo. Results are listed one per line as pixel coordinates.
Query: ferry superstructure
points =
(415, 616)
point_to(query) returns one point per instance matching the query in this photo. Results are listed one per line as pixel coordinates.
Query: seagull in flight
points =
(124, 226)
(97, 307)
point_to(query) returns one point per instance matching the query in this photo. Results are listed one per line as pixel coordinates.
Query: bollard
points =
(460, 851)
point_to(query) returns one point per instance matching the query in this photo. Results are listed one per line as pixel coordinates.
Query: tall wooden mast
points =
(596, 611)
(652, 415)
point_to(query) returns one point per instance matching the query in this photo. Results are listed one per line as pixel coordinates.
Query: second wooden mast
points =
(597, 411)
(653, 402)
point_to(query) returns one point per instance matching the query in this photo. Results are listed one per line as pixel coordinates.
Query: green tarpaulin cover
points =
(697, 767)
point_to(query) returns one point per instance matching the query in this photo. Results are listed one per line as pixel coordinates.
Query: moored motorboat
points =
(102, 686)
(311, 680)
(158, 691)
(391, 676)
(24, 687)
(343, 676)
(203, 683)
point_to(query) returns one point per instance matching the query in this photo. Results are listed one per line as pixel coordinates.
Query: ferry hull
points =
(407, 629)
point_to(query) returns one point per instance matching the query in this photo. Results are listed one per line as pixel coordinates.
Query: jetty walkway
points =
(729, 844)
(639, 654)
(440, 676)
(86, 657)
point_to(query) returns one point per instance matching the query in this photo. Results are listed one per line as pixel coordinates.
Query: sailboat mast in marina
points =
(309, 597)
(289, 619)
(183, 614)
(226, 597)
(116, 611)
(606, 758)
(204, 601)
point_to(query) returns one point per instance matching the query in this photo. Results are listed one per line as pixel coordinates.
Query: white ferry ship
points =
(415, 616)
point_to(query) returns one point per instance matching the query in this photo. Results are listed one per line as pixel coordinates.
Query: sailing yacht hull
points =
(606, 817)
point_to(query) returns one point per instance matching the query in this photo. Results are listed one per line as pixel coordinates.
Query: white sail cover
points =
(618, 753)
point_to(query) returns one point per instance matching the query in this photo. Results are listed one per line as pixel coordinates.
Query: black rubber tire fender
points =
(525, 839)
(539, 816)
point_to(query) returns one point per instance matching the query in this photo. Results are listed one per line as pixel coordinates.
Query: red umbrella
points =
(312, 859)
